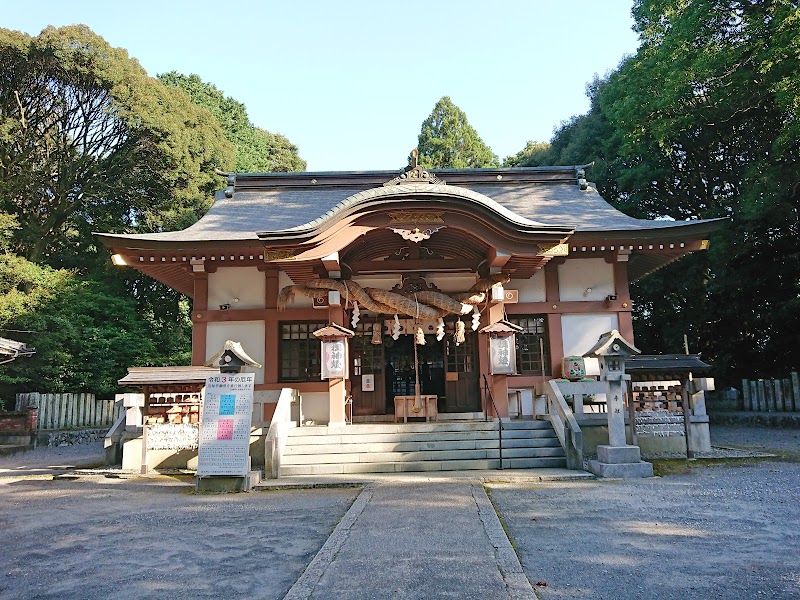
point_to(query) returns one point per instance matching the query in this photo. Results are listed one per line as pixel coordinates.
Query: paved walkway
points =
(439, 538)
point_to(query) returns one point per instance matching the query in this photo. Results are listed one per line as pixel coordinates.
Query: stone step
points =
(424, 455)
(533, 452)
(298, 436)
(391, 467)
(532, 442)
(535, 463)
(375, 428)
(390, 448)
(526, 425)
(295, 447)
(381, 457)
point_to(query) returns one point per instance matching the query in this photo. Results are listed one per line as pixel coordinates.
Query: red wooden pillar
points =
(337, 388)
(554, 333)
(271, 325)
(622, 290)
(199, 328)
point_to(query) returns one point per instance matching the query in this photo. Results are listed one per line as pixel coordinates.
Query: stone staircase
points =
(440, 446)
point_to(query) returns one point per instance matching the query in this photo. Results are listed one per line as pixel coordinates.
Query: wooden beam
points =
(404, 266)
(496, 260)
(331, 264)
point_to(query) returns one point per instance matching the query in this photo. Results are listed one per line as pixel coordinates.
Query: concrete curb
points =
(508, 564)
(304, 587)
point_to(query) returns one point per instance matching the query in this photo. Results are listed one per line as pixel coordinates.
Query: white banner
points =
(225, 425)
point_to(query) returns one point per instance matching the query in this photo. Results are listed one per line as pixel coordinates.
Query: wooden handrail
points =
(566, 426)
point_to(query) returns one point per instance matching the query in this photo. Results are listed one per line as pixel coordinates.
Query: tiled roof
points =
(289, 201)
(138, 376)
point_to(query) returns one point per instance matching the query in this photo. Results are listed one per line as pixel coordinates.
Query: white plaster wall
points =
(250, 334)
(578, 275)
(299, 301)
(316, 407)
(245, 283)
(581, 332)
(530, 290)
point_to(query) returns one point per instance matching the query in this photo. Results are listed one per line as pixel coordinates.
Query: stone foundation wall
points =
(73, 437)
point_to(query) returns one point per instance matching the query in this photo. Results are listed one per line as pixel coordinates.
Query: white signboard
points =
(225, 425)
(368, 383)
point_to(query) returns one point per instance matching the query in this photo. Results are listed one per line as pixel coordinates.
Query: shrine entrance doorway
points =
(383, 371)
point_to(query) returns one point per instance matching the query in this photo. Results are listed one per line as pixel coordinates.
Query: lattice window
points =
(530, 343)
(299, 351)
(367, 357)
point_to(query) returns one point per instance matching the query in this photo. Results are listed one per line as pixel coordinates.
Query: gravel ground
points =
(783, 442)
(95, 537)
(710, 529)
(707, 529)
(46, 458)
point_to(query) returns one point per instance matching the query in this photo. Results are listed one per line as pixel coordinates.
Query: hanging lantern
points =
(334, 351)
(502, 347)
(377, 338)
(459, 335)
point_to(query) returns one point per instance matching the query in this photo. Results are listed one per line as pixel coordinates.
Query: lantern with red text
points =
(335, 358)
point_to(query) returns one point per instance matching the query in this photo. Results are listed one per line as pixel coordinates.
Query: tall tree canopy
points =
(448, 141)
(257, 150)
(89, 141)
(703, 122)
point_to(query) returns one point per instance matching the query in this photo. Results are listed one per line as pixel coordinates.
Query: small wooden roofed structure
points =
(664, 367)
(155, 380)
(341, 224)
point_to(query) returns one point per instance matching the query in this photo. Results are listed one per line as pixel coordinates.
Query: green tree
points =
(257, 150)
(89, 142)
(534, 153)
(448, 141)
(702, 122)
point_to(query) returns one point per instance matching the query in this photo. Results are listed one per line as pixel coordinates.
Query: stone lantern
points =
(617, 458)
(502, 347)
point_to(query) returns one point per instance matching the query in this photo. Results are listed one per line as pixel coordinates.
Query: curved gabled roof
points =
(294, 202)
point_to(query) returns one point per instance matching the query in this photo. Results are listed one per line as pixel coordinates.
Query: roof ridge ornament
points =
(413, 173)
(580, 175)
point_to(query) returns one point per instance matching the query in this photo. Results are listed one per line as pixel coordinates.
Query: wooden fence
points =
(70, 411)
(772, 395)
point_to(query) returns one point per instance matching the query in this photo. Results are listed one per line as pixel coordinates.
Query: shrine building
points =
(405, 257)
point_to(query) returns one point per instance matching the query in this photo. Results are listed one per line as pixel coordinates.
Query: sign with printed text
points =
(225, 425)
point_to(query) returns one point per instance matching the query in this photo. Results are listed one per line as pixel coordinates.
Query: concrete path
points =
(435, 539)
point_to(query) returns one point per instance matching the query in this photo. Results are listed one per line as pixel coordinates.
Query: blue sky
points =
(350, 82)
